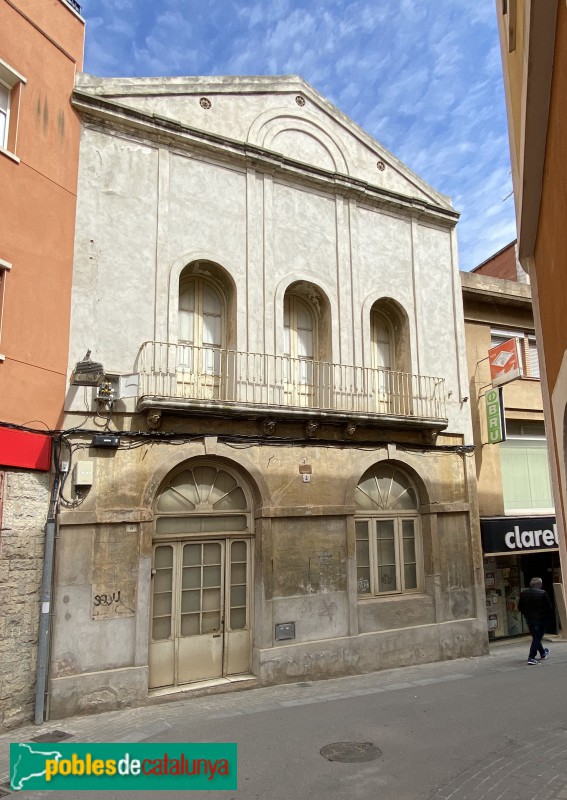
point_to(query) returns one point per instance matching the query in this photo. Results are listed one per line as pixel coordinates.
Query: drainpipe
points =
(45, 616)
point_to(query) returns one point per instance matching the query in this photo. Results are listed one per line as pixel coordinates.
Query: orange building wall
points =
(551, 243)
(37, 208)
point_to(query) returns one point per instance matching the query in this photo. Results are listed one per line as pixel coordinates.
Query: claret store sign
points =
(518, 534)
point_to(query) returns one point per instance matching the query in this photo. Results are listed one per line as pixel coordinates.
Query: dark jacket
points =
(535, 604)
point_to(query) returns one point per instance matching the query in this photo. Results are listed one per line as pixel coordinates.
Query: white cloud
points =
(423, 78)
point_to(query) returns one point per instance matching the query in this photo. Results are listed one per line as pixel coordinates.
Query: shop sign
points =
(518, 534)
(25, 449)
(495, 416)
(505, 362)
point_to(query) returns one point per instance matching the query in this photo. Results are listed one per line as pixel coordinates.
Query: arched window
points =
(300, 346)
(391, 360)
(201, 325)
(388, 542)
(200, 499)
(383, 343)
(299, 329)
(389, 331)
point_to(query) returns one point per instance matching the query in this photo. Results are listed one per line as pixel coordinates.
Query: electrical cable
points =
(242, 441)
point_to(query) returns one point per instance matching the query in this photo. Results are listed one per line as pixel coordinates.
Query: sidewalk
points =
(450, 690)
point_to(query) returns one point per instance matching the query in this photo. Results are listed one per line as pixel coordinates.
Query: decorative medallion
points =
(300, 100)
(204, 102)
(381, 166)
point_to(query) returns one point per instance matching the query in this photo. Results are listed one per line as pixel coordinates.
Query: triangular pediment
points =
(279, 114)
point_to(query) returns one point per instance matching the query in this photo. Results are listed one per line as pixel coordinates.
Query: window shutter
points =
(4, 98)
(526, 481)
(4, 106)
(534, 359)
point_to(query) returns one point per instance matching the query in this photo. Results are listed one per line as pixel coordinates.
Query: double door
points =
(200, 624)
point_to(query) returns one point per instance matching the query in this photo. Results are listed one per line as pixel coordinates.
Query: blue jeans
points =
(537, 629)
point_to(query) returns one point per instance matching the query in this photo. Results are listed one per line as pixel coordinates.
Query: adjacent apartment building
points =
(533, 42)
(515, 498)
(41, 49)
(268, 422)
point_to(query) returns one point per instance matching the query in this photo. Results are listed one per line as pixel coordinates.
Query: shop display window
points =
(504, 579)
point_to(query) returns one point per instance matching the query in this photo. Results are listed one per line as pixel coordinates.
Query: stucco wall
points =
(549, 270)
(264, 111)
(552, 236)
(305, 564)
(38, 213)
(150, 205)
(504, 305)
(158, 211)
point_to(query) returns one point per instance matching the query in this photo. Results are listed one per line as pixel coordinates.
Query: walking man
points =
(535, 605)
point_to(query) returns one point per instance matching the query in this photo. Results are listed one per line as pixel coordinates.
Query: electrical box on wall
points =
(83, 473)
(122, 386)
(105, 440)
(285, 630)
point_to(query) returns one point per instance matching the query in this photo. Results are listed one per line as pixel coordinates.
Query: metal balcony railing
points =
(187, 372)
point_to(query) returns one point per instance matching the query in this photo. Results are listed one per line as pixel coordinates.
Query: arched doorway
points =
(202, 576)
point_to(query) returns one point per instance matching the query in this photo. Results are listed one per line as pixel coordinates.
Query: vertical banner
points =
(495, 421)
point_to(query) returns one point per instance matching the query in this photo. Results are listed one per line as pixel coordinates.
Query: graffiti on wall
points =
(109, 602)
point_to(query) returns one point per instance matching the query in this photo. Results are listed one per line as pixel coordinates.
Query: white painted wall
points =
(146, 209)
(264, 111)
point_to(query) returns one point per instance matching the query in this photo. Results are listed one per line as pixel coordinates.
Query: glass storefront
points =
(504, 578)
(517, 549)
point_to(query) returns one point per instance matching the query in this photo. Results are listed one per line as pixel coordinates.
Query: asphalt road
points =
(468, 729)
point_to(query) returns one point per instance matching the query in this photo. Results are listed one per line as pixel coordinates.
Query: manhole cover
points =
(351, 752)
(52, 736)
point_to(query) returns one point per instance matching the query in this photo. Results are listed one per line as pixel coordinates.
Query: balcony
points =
(213, 380)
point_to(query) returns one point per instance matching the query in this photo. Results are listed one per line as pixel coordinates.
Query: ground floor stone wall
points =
(308, 615)
(24, 502)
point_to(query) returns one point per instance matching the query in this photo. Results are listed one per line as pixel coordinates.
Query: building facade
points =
(533, 42)
(41, 47)
(269, 439)
(515, 498)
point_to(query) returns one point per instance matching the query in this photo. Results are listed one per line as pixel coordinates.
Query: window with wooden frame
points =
(388, 533)
(5, 268)
(300, 347)
(11, 83)
(383, 343)
(4, 113)
(299, 331)
(201, 325)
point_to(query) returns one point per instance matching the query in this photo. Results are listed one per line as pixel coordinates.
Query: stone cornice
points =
(495, 291)
(168, 132)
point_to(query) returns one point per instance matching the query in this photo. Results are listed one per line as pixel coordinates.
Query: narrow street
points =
(466, 729)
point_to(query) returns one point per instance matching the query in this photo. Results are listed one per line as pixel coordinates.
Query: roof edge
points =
(226, 84)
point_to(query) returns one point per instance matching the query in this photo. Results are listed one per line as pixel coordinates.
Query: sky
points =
(423, 77)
